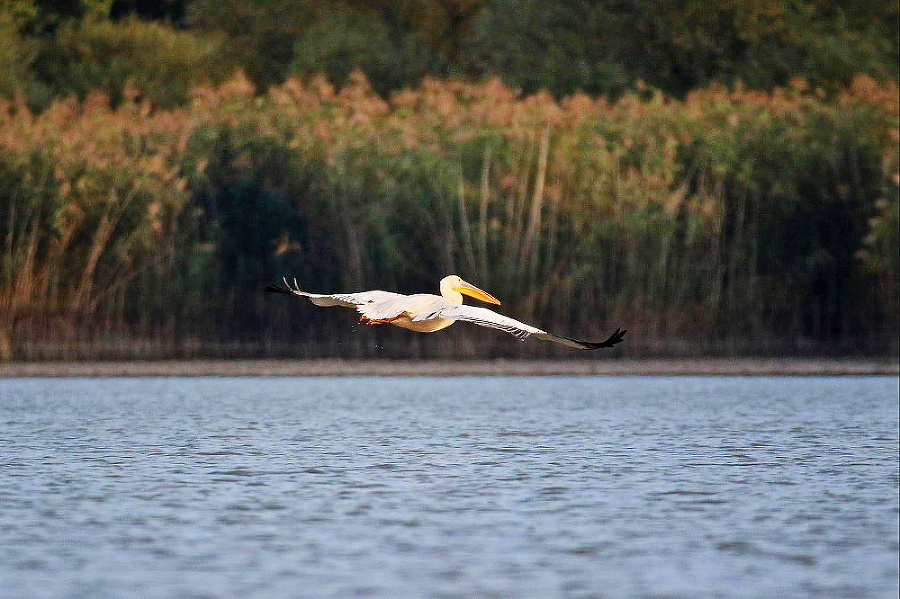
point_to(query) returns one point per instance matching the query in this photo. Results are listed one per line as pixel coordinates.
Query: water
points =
(528, 487)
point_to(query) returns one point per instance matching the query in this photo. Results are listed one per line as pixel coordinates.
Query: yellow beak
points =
(473, 291)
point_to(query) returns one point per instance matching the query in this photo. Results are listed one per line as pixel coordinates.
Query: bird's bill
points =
(473, 291)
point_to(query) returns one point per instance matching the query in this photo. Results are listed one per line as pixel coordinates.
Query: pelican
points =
(427, 313)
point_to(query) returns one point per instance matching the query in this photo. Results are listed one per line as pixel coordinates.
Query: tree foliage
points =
(154, 62)
(595, 46)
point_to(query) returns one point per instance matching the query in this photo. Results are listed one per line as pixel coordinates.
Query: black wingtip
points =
(274, 289)
(615, 338)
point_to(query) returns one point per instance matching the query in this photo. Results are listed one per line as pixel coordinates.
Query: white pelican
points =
(427, 313)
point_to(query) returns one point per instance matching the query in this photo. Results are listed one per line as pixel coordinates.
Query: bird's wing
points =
(347, 300)
(489, 318)
(388, 308)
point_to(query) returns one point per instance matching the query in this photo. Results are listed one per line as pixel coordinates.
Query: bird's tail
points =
(276, 289)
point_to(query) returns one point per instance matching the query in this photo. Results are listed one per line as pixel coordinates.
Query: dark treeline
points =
(158, 48)
(716, 177)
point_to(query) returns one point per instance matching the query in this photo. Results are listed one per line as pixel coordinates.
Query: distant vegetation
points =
(147, 193)
(158, 47)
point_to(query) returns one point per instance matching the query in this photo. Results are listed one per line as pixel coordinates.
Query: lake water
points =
(449, 487)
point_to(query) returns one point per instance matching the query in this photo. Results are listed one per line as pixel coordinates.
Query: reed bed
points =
(730, 222)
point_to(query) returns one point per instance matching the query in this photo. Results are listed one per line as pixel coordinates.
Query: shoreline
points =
(502, 367)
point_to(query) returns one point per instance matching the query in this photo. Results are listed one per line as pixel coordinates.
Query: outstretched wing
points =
(347, 300)
(489, 318)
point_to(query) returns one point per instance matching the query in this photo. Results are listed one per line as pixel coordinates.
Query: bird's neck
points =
(451, 294)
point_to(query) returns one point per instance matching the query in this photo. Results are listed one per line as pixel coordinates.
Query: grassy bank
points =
(619, 367)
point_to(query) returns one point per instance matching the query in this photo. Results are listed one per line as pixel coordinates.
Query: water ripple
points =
(537, 487)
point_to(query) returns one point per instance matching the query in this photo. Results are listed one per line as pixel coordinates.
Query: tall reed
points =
(731, 222)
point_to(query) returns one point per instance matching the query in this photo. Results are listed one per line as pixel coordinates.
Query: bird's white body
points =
(427, 313)
(404, 310)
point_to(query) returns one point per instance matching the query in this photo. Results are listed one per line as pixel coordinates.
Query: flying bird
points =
(427, 313)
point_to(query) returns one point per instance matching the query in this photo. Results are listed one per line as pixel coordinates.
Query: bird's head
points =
(453, 285)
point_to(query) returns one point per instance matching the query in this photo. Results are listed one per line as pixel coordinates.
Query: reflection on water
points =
(449, 486)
